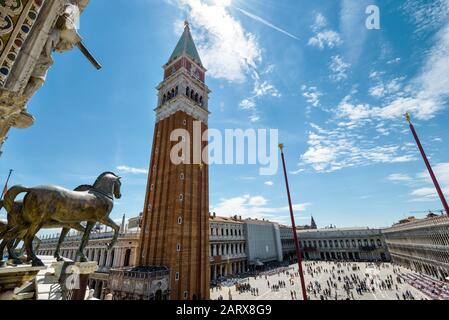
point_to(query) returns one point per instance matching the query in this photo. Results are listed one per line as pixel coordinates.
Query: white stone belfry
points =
(183, 87)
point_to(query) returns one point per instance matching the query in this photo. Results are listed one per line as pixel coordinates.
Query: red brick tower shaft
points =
(175, 225)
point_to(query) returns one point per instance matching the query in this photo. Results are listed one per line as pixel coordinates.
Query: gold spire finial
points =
(407, 117)
(281, 146)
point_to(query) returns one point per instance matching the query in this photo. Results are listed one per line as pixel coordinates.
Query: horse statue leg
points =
(110, 223)
(64, 233)
(9, 243)
(2, 249)
(28, 241)
(12, 245)
(80, 254)
(60, 241)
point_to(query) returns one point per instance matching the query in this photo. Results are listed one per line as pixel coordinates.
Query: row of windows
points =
(423, 253)
(194, 96)
(225, 232)
(190, 93)
(226, 249)
(341, 243)
(170, 94)
(99, 255)
(434, 236)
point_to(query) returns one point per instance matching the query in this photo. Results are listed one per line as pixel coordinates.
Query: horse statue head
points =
(109, 184)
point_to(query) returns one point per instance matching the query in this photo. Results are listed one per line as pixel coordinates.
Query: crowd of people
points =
(330, 281)
(433, 288)
(246, 287)
(347, 276)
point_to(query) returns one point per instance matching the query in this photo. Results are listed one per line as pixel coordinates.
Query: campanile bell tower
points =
(175, 223)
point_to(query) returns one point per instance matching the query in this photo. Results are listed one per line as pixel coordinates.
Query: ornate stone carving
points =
(30, 30)
(17, 17)
(45, 61)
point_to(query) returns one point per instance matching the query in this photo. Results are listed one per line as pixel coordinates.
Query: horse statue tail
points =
(11, 195)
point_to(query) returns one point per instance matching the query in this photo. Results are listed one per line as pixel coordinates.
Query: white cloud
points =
(319, 23)
(389, 88)
(394, 61)
(320, 156)
(423, 184)
(254, 118)
(353, 112)
(399, 177)
(326, 38)
(427, 15)
(427, 93)
(247, 104)
(441, 170)
(357, 139)
(376, 74)
(332, 150)
(312, 95)
(382, 130)
(424, 95)
(424, 194)
(253, 207)
(265, 88)
(262, 88)
(127, 169)
(227, 50)
(269, 183)
(323, 37)
(427, 194)
(257, 201)
(295, 172)
(338, 68)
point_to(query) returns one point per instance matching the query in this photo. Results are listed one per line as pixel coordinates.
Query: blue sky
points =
(335, 90)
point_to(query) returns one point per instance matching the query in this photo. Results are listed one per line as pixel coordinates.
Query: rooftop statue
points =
(63, 37)
(40, 28)
(53, 206)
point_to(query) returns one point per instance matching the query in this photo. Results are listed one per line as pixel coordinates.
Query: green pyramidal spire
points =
(186, 46)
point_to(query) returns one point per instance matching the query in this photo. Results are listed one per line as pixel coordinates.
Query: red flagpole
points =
(6, 184)
(429, 167)
(295, 236)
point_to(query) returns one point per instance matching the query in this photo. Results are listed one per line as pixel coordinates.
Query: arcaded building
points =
(288, 240)
(123, 255)
(227, 250)
(421, 244)
(344, 244)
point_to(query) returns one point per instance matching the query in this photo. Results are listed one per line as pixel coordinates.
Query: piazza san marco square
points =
(326, 281)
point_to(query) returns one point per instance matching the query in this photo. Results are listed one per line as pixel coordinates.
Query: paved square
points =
(324, 280)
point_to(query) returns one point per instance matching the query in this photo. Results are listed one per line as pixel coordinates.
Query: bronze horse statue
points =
(13, 232)
(52, 206)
